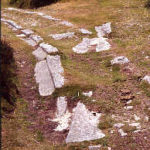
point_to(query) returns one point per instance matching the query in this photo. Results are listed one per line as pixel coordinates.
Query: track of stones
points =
(49, 76)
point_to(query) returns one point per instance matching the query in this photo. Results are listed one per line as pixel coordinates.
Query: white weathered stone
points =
(39, 54)
(50, 18)
(118, 125)
(147, 79)
(103, 30)
(120, 60)
(146, 118)
(61, 106)
(54, 64)
(94, 147)
(128, 107)
(36, 38)
(48, 48)
(44, 79)
(29, 41)
(136, 117)
(63, 116)
(84, 125)
(84, 31)
(21, 35)
(122, 133)
(137, 125)
(109, 148)
(12, 24)
(66, 23)
(27, 31)
(100, 43)
(89, 94)
(82, 47)
(129, 102)
(103, 45)
(62, 36)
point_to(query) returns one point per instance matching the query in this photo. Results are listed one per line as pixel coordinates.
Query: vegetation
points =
(8, 89)
(148, 4)
(31, 3)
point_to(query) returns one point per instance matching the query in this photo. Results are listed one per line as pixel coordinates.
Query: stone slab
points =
(54, 64)
(43, 78)
(84, 125)
(48, 48)
(39, 54)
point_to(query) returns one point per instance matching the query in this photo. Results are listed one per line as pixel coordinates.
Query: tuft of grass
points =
(145, 87)
(106, 122)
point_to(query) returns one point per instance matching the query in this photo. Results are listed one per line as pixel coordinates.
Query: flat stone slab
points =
(62, 36)
(84, 125)
(120, 60)
(27, 31)
(44, 79)
(101, 44)
(66, 23)
(54, 64)
(39, 54)
(29, 41)
(147, 79)
(48, 48)
(103, 30)
(84, 31)
(11, 23)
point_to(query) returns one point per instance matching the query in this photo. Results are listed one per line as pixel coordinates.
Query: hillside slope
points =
(65, 75)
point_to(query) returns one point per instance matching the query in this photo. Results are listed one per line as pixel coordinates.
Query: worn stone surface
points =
(94, 147)
(63, 116)
(39, 54)
(54, 64)
(62, 36)
(120, 60)
(12, 24)
(82, 47)
(48, 48)
(84, 31)
(21, 35)
(147, 79)
(66, 23)
(89, 94)
(103, 30)
(36, 38)
(29, 41)
(83, 126)
(43, 78)
(119, 125)
(61, 106)
(86, 44)
(27, 31)
(122, 133)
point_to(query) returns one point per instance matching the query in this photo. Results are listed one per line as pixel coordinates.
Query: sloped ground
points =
(111, 85)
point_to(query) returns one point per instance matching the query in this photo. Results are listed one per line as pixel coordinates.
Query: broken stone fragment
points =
(147, 79)
(122, 133)
(120, 60)
(27, 31)
(62, 36)
(89, 94)
(39, 54)
(66, 23)
(103, 30)
(128, 107)
(84, 125)
(94, 147)
(36, 38)
(54, 64)
(136, 117)
(21, 35)
(44, 79)
(62, 116)
(48, 48)
(118, 125)
(84, 31)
